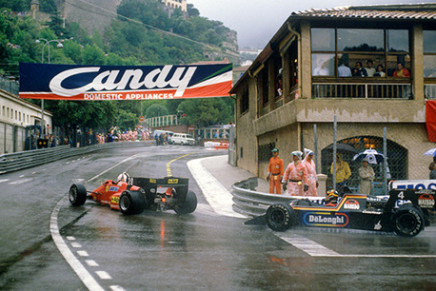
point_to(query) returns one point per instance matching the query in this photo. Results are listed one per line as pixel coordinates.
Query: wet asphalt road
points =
(200, 251)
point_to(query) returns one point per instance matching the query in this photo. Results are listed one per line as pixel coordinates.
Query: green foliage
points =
(148, 39)
(205, 112)
(156, 110)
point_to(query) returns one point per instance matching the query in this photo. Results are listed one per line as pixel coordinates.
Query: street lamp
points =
(46, 42)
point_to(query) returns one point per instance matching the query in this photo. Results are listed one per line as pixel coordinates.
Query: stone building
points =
(307, 74)
(15, 115)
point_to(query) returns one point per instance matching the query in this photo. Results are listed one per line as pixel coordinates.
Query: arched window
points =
(348, 148)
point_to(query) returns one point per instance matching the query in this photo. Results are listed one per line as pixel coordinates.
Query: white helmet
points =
(123, 177)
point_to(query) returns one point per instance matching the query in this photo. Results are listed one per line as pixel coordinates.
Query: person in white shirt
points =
(370, 70)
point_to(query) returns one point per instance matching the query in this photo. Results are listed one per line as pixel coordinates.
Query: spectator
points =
(366, 174)
(432, 169)
(401, 71)
(276, 169)
(370, 70)
(344, 70)
(380, 71)
(343, 171)
(358, 71)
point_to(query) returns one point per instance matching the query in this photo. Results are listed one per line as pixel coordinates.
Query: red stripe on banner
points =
(430, 119)
(215, 90)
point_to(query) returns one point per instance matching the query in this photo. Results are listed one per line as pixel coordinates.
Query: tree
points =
(207, 111)
(156, 110)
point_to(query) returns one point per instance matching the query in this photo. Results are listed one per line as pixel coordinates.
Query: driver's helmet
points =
(332, 196)
(123, 177)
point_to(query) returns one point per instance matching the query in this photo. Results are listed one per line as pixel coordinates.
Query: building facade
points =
(176, 4)
(372, 67)
(15, 115)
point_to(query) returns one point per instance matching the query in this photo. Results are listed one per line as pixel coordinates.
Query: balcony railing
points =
(430, 91)
(361, 90)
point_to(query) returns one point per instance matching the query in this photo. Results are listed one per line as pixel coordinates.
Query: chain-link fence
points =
(388, 159)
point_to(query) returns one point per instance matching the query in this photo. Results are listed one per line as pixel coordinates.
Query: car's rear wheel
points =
(409, 221)
(188, 206)
(132, 202)
(77, 194)
(279, 217)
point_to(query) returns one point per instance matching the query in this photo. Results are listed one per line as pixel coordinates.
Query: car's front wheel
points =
(132, 202)
(279, 217)
(77, 194)
(409, 221)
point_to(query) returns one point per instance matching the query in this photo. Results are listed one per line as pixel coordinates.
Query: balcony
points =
(395, 89)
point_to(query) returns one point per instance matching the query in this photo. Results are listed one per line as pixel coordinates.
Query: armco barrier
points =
(27, 159)
(248, 201)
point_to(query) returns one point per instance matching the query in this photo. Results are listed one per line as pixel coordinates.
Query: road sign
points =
(142, 118)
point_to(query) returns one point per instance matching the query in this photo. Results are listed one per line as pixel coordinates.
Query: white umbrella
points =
(431, 152)
(373, 156)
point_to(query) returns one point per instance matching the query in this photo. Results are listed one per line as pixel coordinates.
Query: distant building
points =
(290, 94)
(15, 115)
(176, 4)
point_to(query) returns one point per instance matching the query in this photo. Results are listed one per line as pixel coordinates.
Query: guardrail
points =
(27, 159)
(248, 201)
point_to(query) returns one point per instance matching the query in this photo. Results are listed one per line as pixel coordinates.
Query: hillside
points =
(142, 34)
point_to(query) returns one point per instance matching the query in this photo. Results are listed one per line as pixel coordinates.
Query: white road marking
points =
(18, 182)
(216, 194)
(21, 176)
(76, 245)
(308, 246)
(315, 249)
(116, 288)
(91, 263)
(33, 173)
(83, 253)
(71, 238)
(3, 180)
(107, 170)
(103, 275)
(75, 264)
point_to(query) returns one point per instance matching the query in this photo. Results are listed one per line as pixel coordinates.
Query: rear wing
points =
(424, 198)
(151, 185)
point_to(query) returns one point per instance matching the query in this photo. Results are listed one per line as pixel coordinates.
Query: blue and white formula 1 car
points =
(404, 212)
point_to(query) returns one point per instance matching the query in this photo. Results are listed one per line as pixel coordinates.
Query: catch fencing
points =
(27, 159)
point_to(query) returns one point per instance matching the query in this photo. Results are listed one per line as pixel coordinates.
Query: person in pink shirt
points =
(311, 178)
(295, 175)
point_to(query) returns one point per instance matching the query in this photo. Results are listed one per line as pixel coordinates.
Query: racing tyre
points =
(188, 206)
(279, 217)
(132, 202)
(77, 194)
(409, 221)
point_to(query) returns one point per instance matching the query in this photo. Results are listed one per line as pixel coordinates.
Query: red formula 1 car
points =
(133, 195)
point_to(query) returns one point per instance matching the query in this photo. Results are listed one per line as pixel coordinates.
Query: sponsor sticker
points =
(113, 189)
(173, 181)
(352, 204)
(325, 219)
(426, 201)
(115, 200)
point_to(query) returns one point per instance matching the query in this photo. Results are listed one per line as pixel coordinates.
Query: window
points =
(429, 37)
(244, 101)
(358, 52)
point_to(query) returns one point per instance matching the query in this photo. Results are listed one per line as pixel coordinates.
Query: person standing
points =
(275, 169)
(311, 177)
(295, 175)
(367, 175)
(432, 169)
(343, 171)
